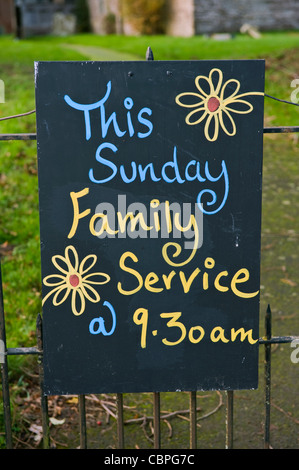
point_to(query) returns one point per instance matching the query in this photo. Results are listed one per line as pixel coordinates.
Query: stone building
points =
(36, 17)
(191, 17)
(220, 16)
(183, 18)
(106, 16)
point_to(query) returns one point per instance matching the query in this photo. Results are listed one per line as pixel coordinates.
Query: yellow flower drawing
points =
(214, 105)
(74, 280)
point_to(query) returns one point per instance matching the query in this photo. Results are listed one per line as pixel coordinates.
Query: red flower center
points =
(74, 280)
(213, 104)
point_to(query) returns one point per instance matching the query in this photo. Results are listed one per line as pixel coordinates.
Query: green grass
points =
(270, 46)
(194, 48)
(19, 222)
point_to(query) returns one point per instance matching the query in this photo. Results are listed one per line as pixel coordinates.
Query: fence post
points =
(43, 398)
(156, 395)
(157, 433)
(267, 378)
(4, 372)
(120, 421)
(82, 414)
(229, 419)
(193, 423)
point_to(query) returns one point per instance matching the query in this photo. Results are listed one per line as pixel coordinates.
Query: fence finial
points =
(149, 54)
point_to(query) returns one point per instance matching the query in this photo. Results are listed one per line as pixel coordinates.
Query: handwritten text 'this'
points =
(112, 119)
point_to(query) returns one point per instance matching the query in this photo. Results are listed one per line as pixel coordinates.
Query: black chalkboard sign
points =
(150, 179)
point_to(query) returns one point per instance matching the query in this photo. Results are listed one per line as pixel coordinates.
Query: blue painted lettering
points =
(97, 325)
(174, 165)
(145, 122)
(128, 104)
(197, 174)
(150, 172)
(112, 119)
(213, 201)
(105, 162)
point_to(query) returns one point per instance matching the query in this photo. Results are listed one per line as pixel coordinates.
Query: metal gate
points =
(265, 342)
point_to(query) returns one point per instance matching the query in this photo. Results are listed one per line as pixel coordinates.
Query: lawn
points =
(19, 223)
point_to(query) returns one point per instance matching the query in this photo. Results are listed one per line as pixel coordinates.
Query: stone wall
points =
(215, 16)
(189, 17)
(100, 11)
(180, 18)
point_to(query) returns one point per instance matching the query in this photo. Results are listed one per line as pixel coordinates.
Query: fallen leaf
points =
(289, 282)
(38, 431)
(6, 248)
(56, 422)
(73, 400)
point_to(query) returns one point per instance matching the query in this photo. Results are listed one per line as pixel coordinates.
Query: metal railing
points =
(266, 342)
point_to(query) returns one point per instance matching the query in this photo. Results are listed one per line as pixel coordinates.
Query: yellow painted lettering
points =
(178, 250)
(209, 264)
(76, 214)
(174, 323)
(104, 228)
(217, 283)
(187, 284)
(132, 271)
(140, 317)
(151, 279)
(168, 217)
(154, 204)
(237, 279)
(217, 334)
(243, 335)
(167, 279)
(191, 335)
(180, 227)
(122, 220)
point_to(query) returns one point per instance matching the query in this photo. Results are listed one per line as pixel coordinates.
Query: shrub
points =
(147, 16)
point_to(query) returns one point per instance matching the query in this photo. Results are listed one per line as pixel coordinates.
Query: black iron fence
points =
(266, 342)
